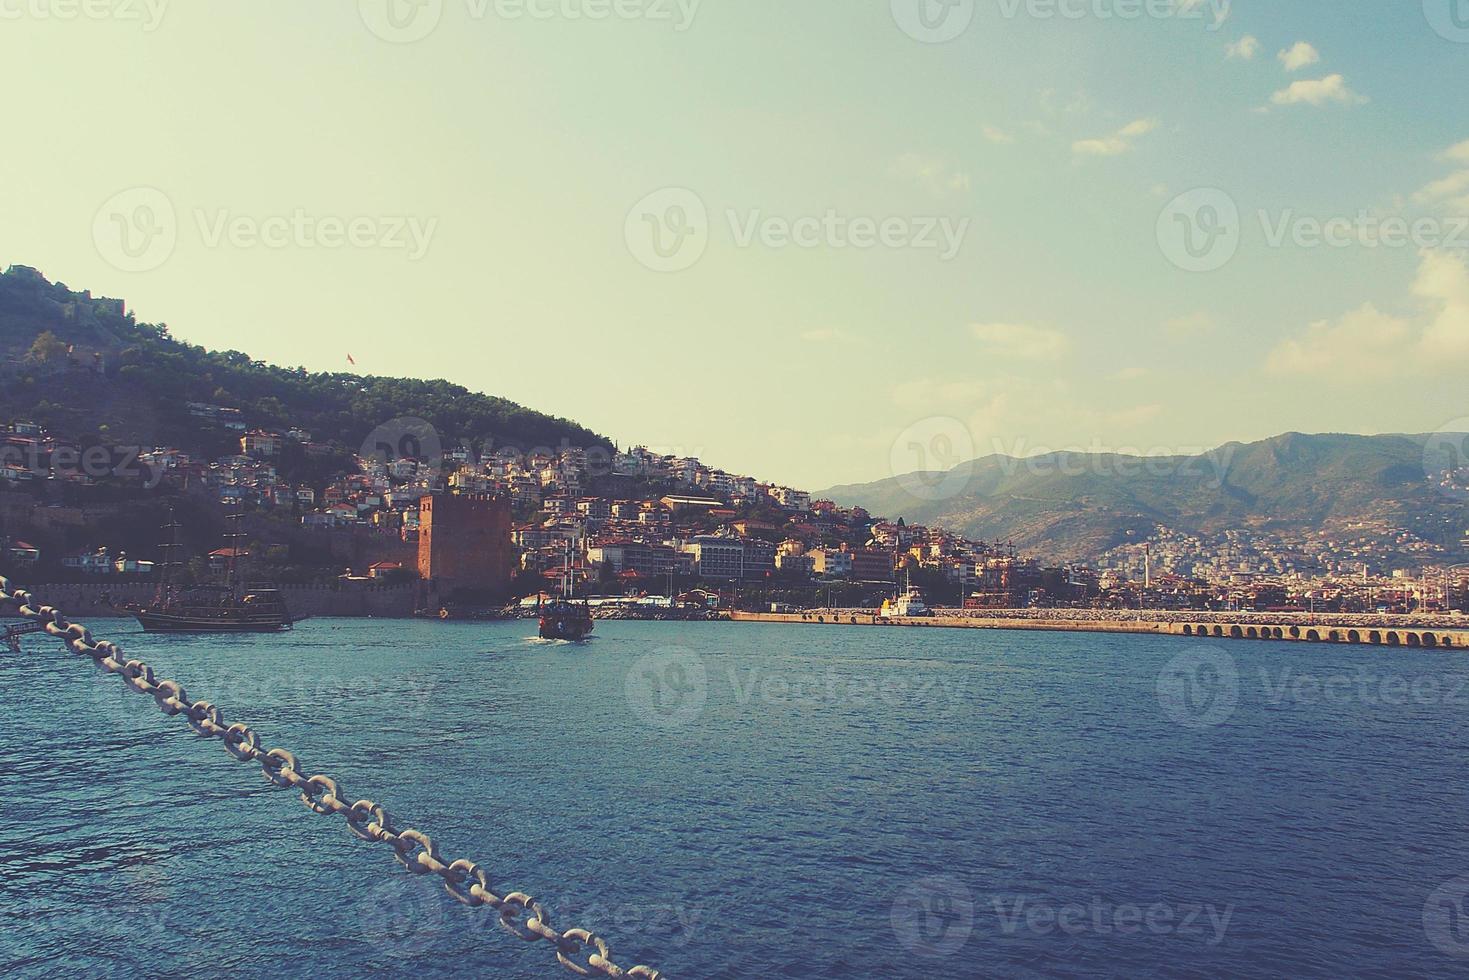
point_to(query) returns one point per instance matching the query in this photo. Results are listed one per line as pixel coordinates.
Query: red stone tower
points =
(464, 543)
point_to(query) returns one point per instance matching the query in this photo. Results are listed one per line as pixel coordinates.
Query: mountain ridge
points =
(1074, 506)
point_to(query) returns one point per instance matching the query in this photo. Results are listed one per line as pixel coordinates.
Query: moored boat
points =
(211, 609)
(908, 605)
(215, 610)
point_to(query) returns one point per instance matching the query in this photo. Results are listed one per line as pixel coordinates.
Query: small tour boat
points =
(563, 619)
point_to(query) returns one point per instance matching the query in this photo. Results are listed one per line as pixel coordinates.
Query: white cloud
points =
(1456, 183)
(1451, 192)
(1131, 374)
(1116, 144)
(1301, 55)
(1457, 154)
(933, 174)
(1244, 49)
(1443, 284)
(1110, 146)
(1370, 344)
(1022, 341)
(1358, 345)
(1317, 92)
(996, 135)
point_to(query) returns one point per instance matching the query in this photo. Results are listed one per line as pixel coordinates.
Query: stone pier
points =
(1426, 637)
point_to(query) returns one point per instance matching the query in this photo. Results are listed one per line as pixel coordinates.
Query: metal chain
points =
(582, 952)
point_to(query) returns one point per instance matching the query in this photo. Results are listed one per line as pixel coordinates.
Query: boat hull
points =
(180, 623)
(569, 628)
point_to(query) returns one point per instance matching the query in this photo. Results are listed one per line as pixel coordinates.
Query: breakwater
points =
(1364, 631)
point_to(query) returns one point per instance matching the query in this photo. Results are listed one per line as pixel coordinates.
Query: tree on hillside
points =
(47, 349)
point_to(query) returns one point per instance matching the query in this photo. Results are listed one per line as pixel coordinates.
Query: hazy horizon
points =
(821, 245)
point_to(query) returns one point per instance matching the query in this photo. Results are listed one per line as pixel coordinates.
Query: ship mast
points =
(170, 548)
(234, 536)
(568, 580)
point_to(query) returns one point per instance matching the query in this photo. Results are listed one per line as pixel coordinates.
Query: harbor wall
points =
(1211, 628)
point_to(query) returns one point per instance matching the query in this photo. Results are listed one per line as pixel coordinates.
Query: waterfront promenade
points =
(1370, 630)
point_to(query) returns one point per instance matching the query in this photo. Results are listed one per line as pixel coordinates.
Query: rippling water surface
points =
(735, 800)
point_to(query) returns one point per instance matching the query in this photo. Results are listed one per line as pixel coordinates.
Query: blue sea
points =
(736, 800)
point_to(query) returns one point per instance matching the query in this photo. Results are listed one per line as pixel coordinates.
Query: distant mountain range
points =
(1076, 506)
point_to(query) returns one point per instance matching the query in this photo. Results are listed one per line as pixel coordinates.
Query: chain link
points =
(582, 952)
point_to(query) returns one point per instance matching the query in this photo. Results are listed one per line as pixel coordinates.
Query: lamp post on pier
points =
(1447, 572)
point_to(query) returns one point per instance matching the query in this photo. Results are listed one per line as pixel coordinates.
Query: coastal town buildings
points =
(648, 523)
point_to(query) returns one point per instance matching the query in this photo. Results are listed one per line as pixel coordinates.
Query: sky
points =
(819, 242)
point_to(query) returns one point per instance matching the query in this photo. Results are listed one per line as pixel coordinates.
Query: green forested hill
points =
(126, 382)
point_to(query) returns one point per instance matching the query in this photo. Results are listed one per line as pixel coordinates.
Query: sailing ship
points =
(212, 609)
(565, 618)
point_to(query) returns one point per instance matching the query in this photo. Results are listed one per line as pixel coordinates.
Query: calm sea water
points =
(749, 801)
